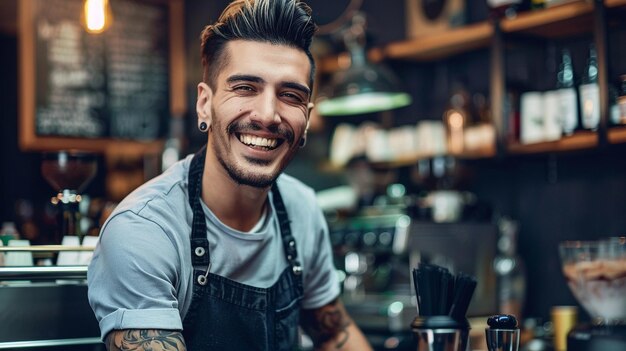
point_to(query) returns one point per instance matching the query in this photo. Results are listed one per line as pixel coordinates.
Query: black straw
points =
(438, 292)
(463, 294)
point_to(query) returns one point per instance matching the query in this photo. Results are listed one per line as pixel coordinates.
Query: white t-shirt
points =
(141, 275)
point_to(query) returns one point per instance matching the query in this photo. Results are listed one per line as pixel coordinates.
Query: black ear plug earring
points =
(302, 141)
(203, 127)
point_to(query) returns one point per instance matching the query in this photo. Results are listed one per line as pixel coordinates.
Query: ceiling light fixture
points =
(363, 87)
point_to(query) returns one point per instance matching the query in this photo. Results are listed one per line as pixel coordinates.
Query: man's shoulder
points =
(293, 189)
(161, 191)
(299, 198)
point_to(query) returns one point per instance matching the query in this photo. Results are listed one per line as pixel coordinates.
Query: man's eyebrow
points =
(256, 79)
(244, 78)
(297, 86)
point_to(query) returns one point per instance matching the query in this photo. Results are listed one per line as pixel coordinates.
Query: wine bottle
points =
(568, 105)
(589, 92)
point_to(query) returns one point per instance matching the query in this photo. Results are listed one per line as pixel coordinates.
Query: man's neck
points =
(237, 206)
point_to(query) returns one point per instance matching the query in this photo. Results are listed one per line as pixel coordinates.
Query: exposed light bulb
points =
(97, 15)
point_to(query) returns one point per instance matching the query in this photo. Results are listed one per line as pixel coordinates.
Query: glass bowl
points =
(596, 274)
(69, 170)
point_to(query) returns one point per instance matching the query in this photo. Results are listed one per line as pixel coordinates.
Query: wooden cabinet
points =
(569, 20)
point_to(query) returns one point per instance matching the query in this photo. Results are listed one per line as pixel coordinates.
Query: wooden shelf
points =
(554, 22)
(441, 45)
(429, 48)
(404, 161)
(578, 141)
(617, 135)
(100, 145)
(486, 152)
(614, 3)
(411, 160)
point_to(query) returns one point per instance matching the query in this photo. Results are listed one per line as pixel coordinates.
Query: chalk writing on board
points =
(112, 85)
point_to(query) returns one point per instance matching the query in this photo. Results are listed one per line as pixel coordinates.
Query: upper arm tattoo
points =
(145, 340)
(329, 322)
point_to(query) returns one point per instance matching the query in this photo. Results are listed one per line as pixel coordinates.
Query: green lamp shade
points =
(363, 103)
(363, 88)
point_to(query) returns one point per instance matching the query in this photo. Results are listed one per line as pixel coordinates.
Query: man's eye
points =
(243, 88)
(293, 97)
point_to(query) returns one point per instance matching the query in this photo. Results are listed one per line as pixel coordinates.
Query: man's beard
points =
(240, 175)
(243, 178)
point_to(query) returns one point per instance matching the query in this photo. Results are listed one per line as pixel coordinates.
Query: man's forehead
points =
(266, 60)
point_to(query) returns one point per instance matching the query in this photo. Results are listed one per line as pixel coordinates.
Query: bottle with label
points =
(552, 129)
(568, 102)
(589, 92)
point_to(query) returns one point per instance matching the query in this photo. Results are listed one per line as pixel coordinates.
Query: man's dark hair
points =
(284, 22)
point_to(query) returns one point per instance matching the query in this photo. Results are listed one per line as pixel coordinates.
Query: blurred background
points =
(493, 131)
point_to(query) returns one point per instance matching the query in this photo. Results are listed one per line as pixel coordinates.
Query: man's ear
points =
(203, 104)
(309, 108)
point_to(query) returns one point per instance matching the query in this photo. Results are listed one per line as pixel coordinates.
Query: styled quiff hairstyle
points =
(279, 22)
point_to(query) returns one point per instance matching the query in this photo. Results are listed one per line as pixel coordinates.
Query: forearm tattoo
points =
(145, 340)
(328, 323)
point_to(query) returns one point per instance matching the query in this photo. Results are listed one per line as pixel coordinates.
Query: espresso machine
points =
(371, 256)
(596, 274)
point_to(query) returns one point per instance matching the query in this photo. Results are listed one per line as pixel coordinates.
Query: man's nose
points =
(267, 110)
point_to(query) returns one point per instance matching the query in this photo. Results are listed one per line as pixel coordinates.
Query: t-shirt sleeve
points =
(133, 276)
(321, 282)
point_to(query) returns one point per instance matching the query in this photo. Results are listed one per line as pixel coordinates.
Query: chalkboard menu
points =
(114, 85)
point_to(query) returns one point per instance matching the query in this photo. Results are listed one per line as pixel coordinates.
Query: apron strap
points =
(289, 243)
(199, 242)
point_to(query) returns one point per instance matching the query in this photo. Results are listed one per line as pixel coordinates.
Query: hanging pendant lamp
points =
(363, 87)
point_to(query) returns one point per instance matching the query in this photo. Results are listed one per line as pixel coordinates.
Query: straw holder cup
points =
(440, 333)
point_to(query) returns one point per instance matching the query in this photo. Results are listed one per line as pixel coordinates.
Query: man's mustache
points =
(240, 127)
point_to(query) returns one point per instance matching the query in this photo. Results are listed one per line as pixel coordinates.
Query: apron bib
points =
(228, 315)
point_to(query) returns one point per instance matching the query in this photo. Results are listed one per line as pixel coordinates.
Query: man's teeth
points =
(257, 141)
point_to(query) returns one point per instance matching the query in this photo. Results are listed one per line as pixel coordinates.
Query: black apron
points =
(228, 315)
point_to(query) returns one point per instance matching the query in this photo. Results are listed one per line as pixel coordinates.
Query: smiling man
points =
(223, 251)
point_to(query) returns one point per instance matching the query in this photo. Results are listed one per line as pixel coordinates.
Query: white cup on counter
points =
(18, 258)
(76, 258)
(446, 205)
